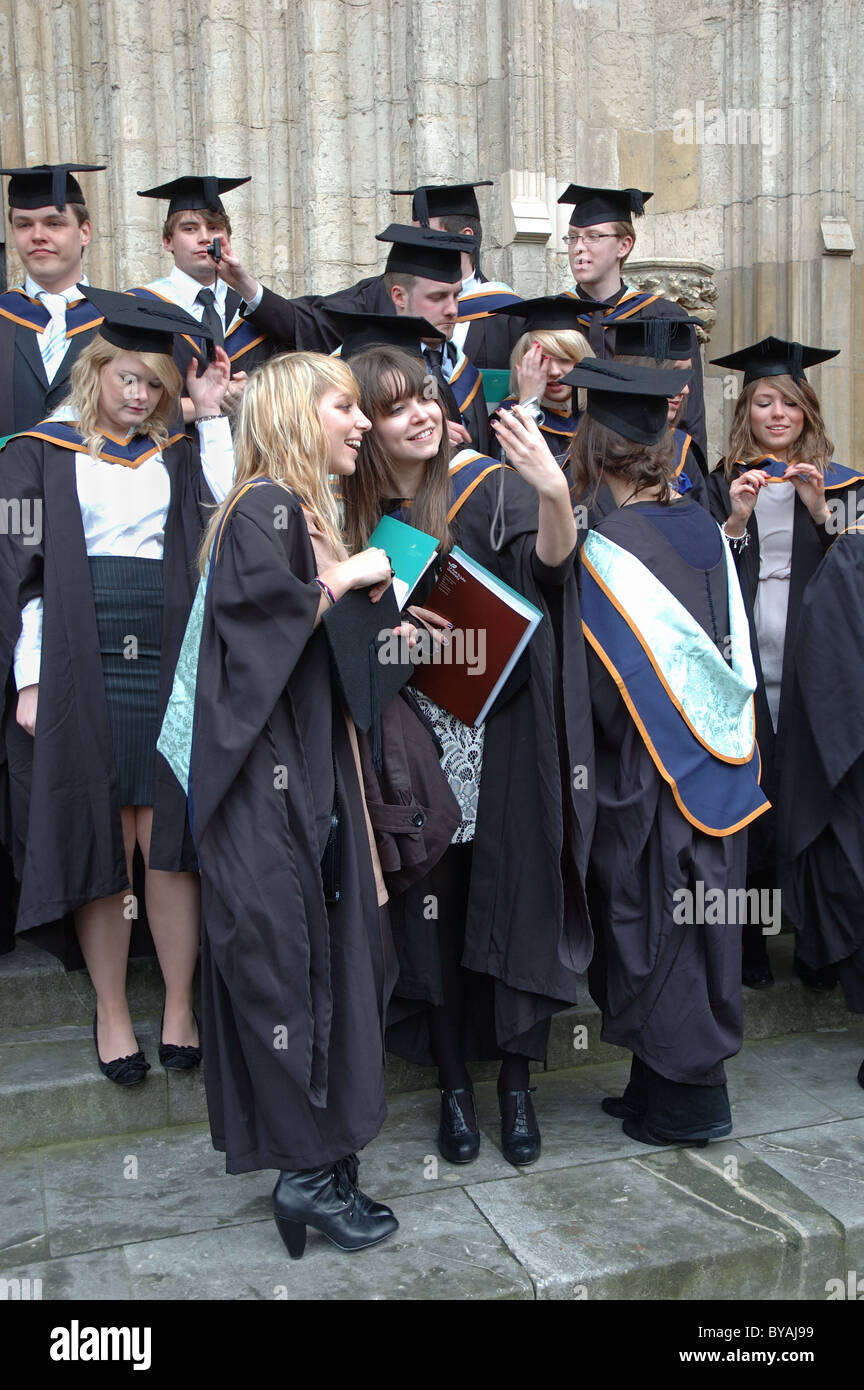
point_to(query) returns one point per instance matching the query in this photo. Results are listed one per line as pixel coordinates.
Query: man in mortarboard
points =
(195, 221)
(46, 322)
(599, 240)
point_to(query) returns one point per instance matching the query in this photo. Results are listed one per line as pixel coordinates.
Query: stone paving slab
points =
(98, 1275)
(824, 1063)
(444, 1250)
(826, 1162)
(22, 1228)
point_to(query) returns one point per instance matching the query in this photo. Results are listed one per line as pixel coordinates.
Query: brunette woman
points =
(295, 968)
(672, 699)
(95, 601)
(510, 931)
(771, 495)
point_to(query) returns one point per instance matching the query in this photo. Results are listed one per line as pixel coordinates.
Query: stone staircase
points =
(118, 1194)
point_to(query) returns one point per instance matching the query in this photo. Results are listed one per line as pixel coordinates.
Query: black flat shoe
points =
(757, 976)
(617, 1106)
(176, 1058)
(329, 1200)
(125, 1071)
(520, 1143)
(457, 1141)
(861, 1075)
(698, 1138)
(824, 978)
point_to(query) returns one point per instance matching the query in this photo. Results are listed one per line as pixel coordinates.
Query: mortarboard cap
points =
(775, 357)
(594, 205)
(194, 192)
(552, 312)
(359, 331)
(141, 325)
(633, 401)
(442, 200)
(422, 251)
(655, 337)
(47, 185)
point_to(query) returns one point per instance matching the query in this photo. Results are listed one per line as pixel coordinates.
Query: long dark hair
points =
(386, 376)
(598, 450)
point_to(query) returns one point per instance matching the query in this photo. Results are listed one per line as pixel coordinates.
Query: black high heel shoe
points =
(457, 1141)
(125, 1071)
(520, 1144)
(329, 1200)
(176, 1058)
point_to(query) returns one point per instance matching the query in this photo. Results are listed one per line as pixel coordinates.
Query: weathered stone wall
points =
(741, 115)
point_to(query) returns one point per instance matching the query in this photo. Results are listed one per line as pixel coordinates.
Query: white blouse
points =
(124, 511)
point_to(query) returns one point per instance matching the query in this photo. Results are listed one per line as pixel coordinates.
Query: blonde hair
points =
(812, 445)
(567, 343)
(279, 435)
(85, 389)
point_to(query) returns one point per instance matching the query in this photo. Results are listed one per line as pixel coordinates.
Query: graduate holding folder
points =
(510, 932)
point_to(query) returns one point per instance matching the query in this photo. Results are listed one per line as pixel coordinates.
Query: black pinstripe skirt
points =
(127, 595)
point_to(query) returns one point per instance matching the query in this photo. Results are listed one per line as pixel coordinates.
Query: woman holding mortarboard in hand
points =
(94, 607)
(677, 769)
(295, 959)
(771, 495)
(510, 934)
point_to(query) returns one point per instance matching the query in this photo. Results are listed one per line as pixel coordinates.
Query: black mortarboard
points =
(633, 401)
(552, 312)
(423, 251)
(359, 331)
(593, 205)
(47, 185)
(442, 200)
(655, 337)
(775, 357)
(194, 192)
(141, 325)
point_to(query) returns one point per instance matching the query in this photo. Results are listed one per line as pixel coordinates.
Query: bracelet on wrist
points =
(738, 543)
(202, 419)
(325, 589)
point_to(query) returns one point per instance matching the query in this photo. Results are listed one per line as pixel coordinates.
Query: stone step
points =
(773, 1212)
(50, 1088)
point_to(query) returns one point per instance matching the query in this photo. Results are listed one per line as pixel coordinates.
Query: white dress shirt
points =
(124, 511)
(52, 338)
(182, 290)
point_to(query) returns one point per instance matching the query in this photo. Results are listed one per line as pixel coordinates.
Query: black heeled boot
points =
(458, 1142)
(520, 1133)
(681, 1113)
(329, 1200)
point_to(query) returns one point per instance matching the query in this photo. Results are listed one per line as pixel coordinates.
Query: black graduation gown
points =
(603, 344)
(293, 990)
(25, 393)
(670, 993)
(62, 822)
(526, 925)
(809, 543)
(820, 811)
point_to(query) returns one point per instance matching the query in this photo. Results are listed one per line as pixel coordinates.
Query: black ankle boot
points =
(329, 1200)
(520, 1133)
(634, 1101)
(458, 1132)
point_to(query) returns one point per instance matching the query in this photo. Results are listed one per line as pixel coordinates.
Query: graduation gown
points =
(809, 543)
(627, 304)
(820, 813)
(62, 815)
(669, 992)
(527, 929)
(293, 989)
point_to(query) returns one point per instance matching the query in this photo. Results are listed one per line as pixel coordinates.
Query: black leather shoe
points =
(125, 1071)
(823, 978)
(520, 1144)
(329, 1200)
(457, 1141)
(617, 1106)
(757, 976)
(176, 1058)
(699, 1137)
(861, 1075)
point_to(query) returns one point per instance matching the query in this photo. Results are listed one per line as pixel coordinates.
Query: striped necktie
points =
(52, 339)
